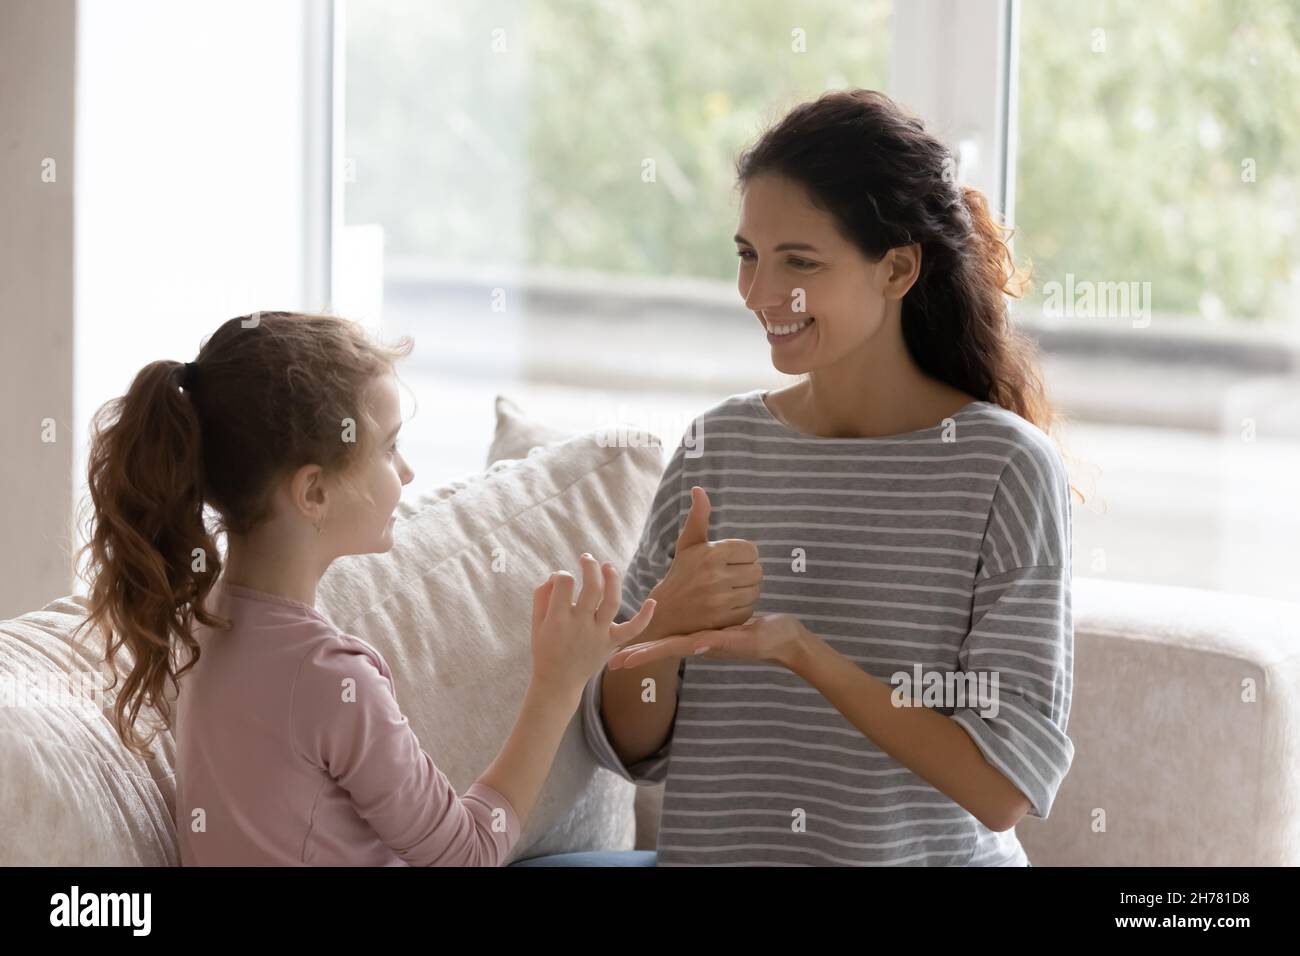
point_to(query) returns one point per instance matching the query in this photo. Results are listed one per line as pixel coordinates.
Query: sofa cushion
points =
(1186, 726)
(70, 793)
(517, 434)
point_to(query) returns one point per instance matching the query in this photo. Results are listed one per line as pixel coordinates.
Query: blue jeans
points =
(593, 858)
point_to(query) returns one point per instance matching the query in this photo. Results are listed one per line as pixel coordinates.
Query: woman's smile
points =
(782, 333)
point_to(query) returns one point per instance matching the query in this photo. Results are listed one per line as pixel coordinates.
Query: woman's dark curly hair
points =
(887, 182)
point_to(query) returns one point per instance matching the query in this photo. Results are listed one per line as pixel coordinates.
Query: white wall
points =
(182, 200)
(37, 60)
(190, 160)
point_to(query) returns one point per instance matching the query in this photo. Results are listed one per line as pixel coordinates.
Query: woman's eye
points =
(747, 254)
(393, 448)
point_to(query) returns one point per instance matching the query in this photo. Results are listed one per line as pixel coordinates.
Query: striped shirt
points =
(946, 548)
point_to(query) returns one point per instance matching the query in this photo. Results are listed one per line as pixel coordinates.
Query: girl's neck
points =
(270, 571)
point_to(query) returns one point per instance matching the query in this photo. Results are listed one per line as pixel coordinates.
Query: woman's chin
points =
(791, 366)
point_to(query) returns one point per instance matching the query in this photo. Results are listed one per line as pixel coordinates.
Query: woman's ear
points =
(901, 266)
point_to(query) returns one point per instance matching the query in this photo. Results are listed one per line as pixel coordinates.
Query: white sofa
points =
(1186, 714)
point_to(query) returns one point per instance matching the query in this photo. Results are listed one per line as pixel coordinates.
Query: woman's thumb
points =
(696, 529)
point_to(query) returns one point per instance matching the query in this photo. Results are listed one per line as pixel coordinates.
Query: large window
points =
(1159, 150)
(590, 135)
(542, 193)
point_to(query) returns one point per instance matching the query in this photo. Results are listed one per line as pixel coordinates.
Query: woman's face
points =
(818, 298)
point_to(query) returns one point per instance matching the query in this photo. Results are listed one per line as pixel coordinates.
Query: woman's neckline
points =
(760, 396)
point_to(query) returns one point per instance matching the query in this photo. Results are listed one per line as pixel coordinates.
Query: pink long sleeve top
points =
(291, 750)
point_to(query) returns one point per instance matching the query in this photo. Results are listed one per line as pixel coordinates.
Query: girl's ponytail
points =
(152, 557)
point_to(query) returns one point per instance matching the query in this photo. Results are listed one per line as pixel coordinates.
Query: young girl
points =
(895, 533)
(290, 744)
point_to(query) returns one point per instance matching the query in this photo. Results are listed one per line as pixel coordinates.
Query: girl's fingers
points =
(541, 600)
(561, 593)
(611, 600)
(592, 588)
(622, 633)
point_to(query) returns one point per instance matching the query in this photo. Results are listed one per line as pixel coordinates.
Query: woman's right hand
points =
(711, 584)
(573, 639)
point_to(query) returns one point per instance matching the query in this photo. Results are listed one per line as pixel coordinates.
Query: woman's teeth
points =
(789, 329)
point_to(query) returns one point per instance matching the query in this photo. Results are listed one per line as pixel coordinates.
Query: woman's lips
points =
(783, 339)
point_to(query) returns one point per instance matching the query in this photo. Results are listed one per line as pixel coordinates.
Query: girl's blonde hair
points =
(268, 393)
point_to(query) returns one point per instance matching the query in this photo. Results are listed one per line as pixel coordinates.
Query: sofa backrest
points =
(71, 794)
(1186, 727)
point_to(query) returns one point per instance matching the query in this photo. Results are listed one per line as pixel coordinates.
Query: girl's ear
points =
(308, 493)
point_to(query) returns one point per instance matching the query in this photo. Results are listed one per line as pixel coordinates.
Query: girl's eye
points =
(743, 253)
(393, 449)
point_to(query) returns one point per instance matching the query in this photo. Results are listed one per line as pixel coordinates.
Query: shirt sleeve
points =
(653, 557)
(1022, 630)
(345, 719)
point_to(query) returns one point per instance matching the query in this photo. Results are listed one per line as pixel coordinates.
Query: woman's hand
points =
(711, 584)
(573, 639)
(780, 638)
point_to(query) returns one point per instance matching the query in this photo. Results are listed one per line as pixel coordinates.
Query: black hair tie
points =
(189, 376)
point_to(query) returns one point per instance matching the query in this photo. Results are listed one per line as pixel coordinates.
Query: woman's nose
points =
(765, 294)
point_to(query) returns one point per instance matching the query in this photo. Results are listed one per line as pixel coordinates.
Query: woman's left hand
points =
(768, 637)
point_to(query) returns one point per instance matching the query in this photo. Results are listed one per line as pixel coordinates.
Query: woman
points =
(899, 512)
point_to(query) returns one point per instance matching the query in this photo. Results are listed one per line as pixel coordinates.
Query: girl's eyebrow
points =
(393, 433)
(781, 248)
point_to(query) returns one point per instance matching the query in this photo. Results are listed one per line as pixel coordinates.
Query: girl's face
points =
(358, 526)
(818, 298)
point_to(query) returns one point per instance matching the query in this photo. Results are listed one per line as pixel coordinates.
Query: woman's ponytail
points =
(153, 559)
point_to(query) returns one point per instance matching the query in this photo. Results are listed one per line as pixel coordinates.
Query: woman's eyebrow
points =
(782, 247)
(393, 433)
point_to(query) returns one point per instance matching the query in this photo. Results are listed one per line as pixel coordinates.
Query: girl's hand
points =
(767, 637)
(711, 584)
(572, 640)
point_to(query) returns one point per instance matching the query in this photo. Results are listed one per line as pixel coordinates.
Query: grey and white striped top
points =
(947, 548)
